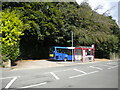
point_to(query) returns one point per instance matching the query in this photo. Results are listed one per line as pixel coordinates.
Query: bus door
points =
(64, 54)
(59, 55)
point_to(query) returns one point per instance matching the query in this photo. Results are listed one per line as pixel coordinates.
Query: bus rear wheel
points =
(65, 59)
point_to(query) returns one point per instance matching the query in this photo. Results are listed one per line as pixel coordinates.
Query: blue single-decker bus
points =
(61, 53)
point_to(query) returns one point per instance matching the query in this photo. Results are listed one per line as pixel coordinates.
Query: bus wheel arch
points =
(65, 59)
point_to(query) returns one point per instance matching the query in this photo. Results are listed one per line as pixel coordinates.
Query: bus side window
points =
(70, 52)
(58, 50)
(62, 50)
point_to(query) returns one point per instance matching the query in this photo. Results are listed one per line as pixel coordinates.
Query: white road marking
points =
(107, 65)
(34, 85)
(96, 67)
(58, 71)
(110, 63)
(83, 74)
(92, 72)
(113, 67)
(77, 76)
(80, 71)
(56, 77)
(62, 70)
(11, 82)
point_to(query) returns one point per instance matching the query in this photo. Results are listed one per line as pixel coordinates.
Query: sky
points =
(111, 5)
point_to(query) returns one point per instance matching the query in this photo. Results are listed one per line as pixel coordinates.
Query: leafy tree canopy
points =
(51, 23)
(12, 28)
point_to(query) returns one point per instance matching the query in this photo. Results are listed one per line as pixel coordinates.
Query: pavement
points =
(88, 75)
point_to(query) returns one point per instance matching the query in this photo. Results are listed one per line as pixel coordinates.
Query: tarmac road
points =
(90, 75)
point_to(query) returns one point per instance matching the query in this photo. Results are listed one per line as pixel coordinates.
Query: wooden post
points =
(7, 64)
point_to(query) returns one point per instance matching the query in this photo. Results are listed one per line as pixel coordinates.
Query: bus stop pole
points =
(72, 44)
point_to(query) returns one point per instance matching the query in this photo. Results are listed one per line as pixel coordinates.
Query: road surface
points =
(90, 75)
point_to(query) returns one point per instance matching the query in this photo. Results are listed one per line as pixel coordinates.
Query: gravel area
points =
(31, 64)
(28, 64)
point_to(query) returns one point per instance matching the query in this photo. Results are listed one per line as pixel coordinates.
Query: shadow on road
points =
(59, 60)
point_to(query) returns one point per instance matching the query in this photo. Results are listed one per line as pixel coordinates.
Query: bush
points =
(114, 56)
(12, 28)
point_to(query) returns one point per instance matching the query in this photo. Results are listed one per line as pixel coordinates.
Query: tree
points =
(12, 28)
(90, 28)
(46, 23)
(51, 24)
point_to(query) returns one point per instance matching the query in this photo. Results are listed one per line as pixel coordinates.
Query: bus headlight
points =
(51, 55)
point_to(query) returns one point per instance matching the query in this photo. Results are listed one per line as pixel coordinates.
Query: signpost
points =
(72, 43)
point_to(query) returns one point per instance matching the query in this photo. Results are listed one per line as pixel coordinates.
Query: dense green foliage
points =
(50, 24)
(12, 28)
(92, 28)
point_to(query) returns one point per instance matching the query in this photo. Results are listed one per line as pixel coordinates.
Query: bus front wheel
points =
(65, 59)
